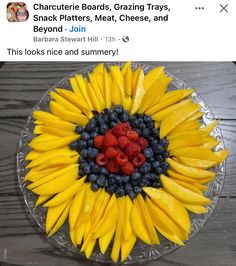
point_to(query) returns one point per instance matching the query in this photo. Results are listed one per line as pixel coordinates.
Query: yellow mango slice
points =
(138, 93)
(116, 97)
(196, 116)
(53, 214)
(82, 84)
(76, 206)
(66, 194)
(72, 237)
(200, 153)
(107, 89)
(44, 156)
(221, 155)
(89, 248)
(182, 193)
(75, 87)
(117, 76)
(127, 231)
(189, 171)
(53, 131)
(199, 163)
(183, 92)
(135, 77)
(93, 98)
(142, 208)
(187, 125)
(183, 134)
(64, 102)
(159, 116)
(34, 175)
(185, 141)
(154, 94)
(164, 224)
(67, 115)
(108, 220)
(200, 186)
(57, 185)
(177, 116)
(211, 144)
(32, 155)
(60, 221)
(76, 101)
(152, 76)
(53, 144)
(105, 240)
(57, 161)
(87, 206)
(118, 233)
(190, 186)
(138, 226)
(127, 103)
(171, 206)
(42, 115)
(178, 176)
(41, 199)
(44, 137)
(38, 129)
(198, 209)
(60, 124)
(99, 75)
(127, 74)
(98, 203)
(79, 233)
(127, 246)
(207, 129)
(50, 175)
(97, 90)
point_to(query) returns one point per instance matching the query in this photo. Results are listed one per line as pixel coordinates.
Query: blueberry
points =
(113, 187)
(138, 130)
(84, 153)
(132, 195)
(103, 171)
(158, 149)
(155, 132)
(90, 126)
(128, 188)
(101, 180)
(164, 142)
(146, 132)
(140, 120)
(73, 145)
(165, 166)
(85, 136)
(120, 191)
(81, 172)
(112, 180)
(147, 118)
(166, 154)
(106, 118)
(95, 169)
(93, 135)
(150, 124)
(92, 153)
(124, 117)
(118, 109)
(109, 190)
(79, 129)
(112, 124)
(82, 160)
(154, 142)
(145, 168)
(153, 176)
(156, 184)
(86, 169)
(159, 158)
(94, 187)
(90, 143)
(134, 123)
(148, 152)
(113, 117)
(142, 126)
(92, 178)
(125, 179)
(156, 164)
(136, 176)
(106, 184)
(137, 189)
(158, 170)
(119, 179)
(151, 159)
(103, 129)
(82, 144)
(147, 176)
(143, 182)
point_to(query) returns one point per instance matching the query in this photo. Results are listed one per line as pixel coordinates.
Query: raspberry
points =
(139, 160)
(127, 168)
(143, 143)
(101, 159)
(132, 149)
(121, 129)
(132, 135)
(109, 140)
(98, 141)
(121, 158)
(123, 141)
(113, 167)
(110, 152)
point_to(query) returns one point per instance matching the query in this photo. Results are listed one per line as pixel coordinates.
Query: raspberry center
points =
(120, 149)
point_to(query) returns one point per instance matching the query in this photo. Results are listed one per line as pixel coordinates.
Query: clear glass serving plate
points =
(141, 251)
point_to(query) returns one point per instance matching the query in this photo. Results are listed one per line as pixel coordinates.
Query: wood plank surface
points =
(22, 242)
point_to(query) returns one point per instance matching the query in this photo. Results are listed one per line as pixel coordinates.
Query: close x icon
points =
(224, 8)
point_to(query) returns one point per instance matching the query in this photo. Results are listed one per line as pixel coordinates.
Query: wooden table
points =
(22, 242)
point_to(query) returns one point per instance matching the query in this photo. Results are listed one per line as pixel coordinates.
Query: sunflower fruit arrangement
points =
(121, 158)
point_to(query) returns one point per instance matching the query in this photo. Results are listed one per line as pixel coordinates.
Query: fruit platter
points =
(121, 162)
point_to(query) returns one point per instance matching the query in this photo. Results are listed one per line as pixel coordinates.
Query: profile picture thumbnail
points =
(17, 12)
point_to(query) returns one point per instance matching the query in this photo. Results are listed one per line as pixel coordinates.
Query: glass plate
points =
(141, 251)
